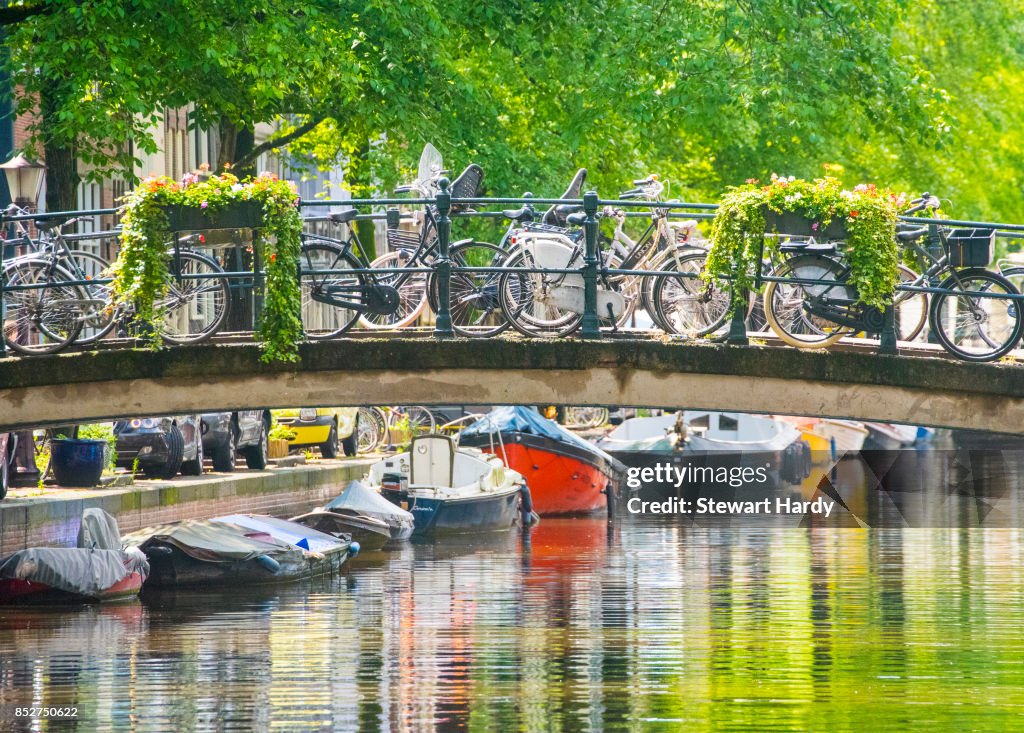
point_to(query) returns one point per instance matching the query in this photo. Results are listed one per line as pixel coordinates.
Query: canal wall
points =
(51, 517)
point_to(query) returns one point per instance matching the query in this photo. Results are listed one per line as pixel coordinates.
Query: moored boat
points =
(98, 569)
(890, 436)
(369, 518)
(247, 549)
(450, 489)
(565, 473)
(826, 436)
(709, 443)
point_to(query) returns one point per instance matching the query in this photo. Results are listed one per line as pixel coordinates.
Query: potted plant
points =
(864, 218)
(278, 439)
(159, 205)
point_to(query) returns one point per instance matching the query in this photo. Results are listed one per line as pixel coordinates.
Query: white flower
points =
(792, 178)
(236, 187)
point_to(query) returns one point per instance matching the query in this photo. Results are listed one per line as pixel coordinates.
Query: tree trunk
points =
(245, 141)
(61, 163)
(228, 135)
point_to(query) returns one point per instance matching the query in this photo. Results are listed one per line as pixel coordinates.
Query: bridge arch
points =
(91, 386)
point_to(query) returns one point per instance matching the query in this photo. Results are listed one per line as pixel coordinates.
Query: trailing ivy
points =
(869, 215)
(141, 276)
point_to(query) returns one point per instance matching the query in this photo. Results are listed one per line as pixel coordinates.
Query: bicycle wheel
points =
(98, 313)
(685, 304)
(586, 417)
(412, 293)
(976, 327)
(784, 302)
(526, 302)
(331, 304)
(369, 437)
(474, 302)
(41, 320)
(420, 419)
(196, 302)
(911, 309)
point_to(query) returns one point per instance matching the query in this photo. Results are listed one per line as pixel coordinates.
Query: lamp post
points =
(24, 180)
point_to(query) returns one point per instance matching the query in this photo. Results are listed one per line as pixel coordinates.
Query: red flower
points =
(273, 258)
(853, 214)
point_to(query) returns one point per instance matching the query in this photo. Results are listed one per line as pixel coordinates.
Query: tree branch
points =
(14, 14)
(278, 142)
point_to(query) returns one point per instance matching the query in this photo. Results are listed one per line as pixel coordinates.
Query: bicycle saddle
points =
(553, 215)
(343, 217)
(818, 248)
(576, 219)
(51, 223)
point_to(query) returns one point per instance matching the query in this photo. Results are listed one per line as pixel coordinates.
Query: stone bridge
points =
(101, 385)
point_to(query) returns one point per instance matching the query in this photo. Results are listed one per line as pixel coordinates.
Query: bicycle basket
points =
(971, 247)
(402, 239)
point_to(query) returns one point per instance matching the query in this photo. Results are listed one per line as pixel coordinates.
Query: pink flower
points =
(814, 227)
(203, 205)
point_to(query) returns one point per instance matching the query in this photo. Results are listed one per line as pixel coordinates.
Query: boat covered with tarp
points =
(240, 548)
(566, 474)
(97, 569)
(363, 513)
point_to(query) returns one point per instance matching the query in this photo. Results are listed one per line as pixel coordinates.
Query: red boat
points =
(565, 474)
(98, 569)
(19, 590)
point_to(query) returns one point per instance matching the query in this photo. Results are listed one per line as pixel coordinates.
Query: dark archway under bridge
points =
(100, 385)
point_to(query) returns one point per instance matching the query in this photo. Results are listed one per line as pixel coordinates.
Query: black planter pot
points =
(241, 215)
(78, 462)
(798, 225)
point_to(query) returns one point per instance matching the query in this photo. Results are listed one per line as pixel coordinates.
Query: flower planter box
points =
(240, 215)
(798, 225)
(277, 448)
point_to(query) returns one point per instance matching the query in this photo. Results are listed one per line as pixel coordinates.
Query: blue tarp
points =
(526, 420)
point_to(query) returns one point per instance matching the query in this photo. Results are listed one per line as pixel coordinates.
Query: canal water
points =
(645, 625)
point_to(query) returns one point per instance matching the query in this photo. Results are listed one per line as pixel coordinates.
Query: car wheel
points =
(175, 455)
(194, 467)
(224, 456)
(351, 444)
(256, 456)
(330, 448)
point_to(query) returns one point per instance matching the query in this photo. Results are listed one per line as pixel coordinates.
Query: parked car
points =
(8, 444)
(226, 434)
(163, 445)
(331, 429)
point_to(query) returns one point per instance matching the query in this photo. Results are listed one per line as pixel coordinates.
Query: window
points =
(728, 423)
(89, 198)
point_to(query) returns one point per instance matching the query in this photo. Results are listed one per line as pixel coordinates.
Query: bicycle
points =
(969, 317)
(407, 422)
(549, 303)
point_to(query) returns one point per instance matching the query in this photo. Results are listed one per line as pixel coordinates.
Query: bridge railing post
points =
(3, 295)
(888, 341)
(738, 325)
(590, 326)
(443, 265)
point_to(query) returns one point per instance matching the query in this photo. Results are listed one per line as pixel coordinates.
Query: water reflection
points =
(645, 625)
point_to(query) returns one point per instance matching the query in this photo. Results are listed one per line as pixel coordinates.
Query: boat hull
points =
(453, 516)
(18, 591)
(170, 567)
(559, 484)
